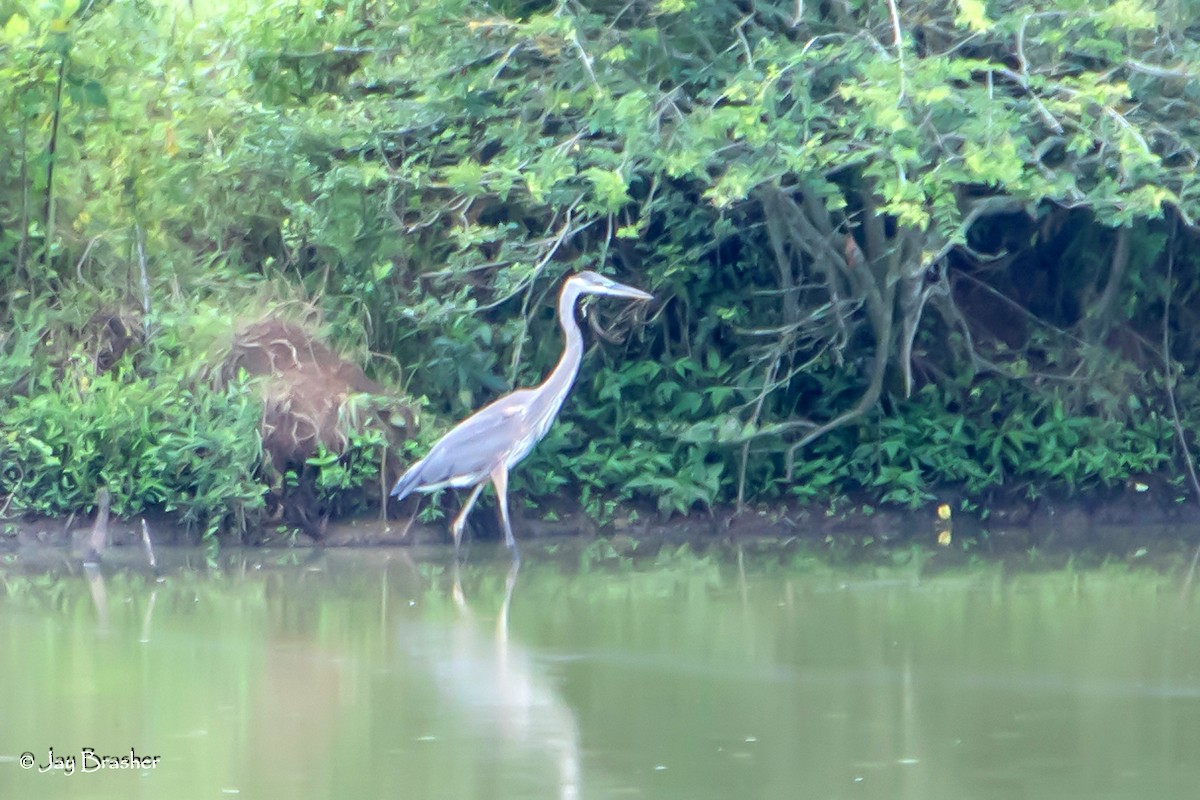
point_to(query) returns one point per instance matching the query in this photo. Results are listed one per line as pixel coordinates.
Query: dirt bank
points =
(1135, 515)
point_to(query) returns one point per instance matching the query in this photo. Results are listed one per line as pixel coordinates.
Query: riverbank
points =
(1128, 517)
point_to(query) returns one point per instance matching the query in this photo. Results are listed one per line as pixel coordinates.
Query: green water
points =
(377, 674)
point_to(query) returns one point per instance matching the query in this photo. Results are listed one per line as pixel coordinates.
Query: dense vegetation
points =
(897, 248)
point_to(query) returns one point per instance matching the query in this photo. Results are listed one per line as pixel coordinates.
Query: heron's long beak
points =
(615, 289)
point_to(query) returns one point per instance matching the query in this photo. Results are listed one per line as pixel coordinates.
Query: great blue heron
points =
(490, 441)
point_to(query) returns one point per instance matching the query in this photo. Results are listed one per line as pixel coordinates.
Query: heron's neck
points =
(563, 375)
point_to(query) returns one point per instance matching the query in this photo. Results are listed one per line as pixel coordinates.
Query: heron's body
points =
(495, 434)
(489, 442)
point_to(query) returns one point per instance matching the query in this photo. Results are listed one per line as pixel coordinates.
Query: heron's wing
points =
(472, 449)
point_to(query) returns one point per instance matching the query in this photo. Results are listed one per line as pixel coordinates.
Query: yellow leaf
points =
(169, 143)
(59, 25)
(16, 27)
(944, 537)
(973, 14)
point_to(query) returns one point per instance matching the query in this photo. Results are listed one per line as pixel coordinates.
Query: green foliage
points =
(344, 480)
(1010, 441)
(806, 195)
(151, 443)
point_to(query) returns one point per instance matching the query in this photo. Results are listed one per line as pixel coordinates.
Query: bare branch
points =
(898, 42)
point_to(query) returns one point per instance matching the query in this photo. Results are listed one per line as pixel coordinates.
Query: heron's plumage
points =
(468, 453)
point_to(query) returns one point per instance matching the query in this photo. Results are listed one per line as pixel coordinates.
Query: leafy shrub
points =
(158, 442)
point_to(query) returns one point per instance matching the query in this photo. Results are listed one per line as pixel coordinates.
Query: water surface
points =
(755, 672)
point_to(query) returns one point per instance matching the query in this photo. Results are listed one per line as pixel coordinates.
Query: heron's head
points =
(589, 282)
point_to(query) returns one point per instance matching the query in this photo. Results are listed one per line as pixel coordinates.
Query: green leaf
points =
(93, 92)
(466, 176)
(1127, 14)
(609, 187)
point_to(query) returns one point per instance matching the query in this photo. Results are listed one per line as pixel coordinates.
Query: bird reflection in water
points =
(495, 697)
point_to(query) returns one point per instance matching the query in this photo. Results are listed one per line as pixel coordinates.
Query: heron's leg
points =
(460, 521)
(411, 519)
(500, 481)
